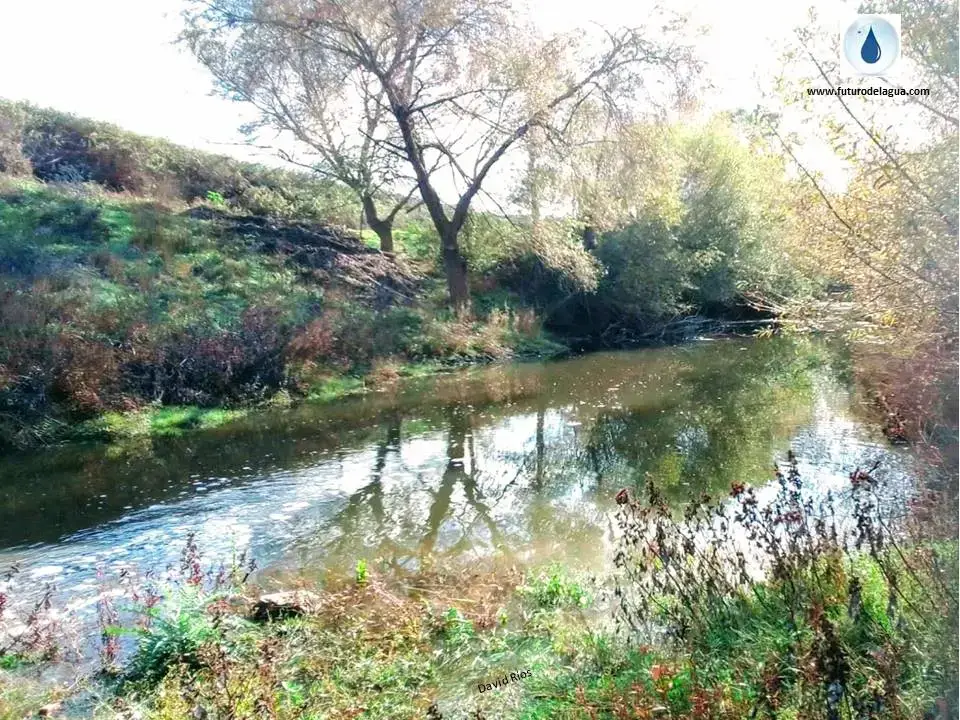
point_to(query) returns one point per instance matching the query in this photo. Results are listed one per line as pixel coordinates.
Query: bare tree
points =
(449, 75)
(334, 109)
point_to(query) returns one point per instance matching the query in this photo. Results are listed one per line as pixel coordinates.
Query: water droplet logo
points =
(870, 50)
(870, 44)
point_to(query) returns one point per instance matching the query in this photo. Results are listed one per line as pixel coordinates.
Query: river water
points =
(519, 459)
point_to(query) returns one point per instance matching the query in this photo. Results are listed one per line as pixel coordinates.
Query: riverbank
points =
(158, 421)
(127, 317)
(147, 289)
(683, 630)
(123, 315)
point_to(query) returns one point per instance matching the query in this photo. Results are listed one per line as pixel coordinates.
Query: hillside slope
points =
(113, 304)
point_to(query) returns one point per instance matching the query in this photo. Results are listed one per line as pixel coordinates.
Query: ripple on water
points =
(517, 457)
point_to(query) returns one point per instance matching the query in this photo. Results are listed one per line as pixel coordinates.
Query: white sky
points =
(113, 59)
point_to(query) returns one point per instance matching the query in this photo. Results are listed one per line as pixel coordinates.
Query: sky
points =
(114, 60)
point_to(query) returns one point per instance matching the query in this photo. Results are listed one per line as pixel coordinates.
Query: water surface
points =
(520, 459)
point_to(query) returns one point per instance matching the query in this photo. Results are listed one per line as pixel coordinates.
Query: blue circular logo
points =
(871, 45)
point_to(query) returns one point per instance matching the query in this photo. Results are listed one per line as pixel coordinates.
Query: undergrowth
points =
(125, 316)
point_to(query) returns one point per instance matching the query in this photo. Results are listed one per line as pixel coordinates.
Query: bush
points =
(554, 588)
(177, 631)
(646, 280)
(797, 609)
(12, 159)
(199, 367)
(712, 242)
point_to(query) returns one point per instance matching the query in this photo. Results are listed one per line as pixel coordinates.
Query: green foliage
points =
(215, 199)
(361, 572)
(177, 630)
(495, 245)
(370, 238)
(457, 630)
(716, 239)
(554, 588)
(417, 240)
(403, 653)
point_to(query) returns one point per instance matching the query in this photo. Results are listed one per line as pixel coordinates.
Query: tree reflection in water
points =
(521, 459)
(534, 470)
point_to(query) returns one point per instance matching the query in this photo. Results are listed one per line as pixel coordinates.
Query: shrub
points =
(176, 632)
(803, 611)
(349, 334)
(361, 572)
(85, 374)
(195, 366)
(266, 201)
(554, 588)
(215, 198)
(12, 159)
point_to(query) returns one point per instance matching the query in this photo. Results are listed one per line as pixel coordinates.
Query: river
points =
(521, 459)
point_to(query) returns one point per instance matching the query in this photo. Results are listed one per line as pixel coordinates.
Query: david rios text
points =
(504, 681)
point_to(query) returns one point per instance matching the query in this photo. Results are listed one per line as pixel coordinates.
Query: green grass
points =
(159, 422)
(336, 388)
(145, 262)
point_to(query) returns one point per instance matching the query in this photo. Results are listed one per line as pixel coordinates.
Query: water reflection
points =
(517, 459)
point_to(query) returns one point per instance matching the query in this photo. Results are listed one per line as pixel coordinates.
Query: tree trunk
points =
(383, 228)
(384, 231)
(540, 450)
(455, 268)
(533, 180)
(589, 238)
(454, 473)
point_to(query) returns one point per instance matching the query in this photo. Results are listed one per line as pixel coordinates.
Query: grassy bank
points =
(136, 274)
(158, 420)
(122, 315)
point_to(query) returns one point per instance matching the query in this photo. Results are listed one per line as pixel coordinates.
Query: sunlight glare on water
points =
(522, 460)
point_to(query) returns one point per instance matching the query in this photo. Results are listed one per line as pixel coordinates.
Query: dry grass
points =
(385, 372)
